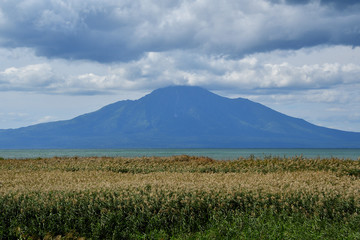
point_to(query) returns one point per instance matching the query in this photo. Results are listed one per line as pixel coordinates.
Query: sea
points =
(219, 154)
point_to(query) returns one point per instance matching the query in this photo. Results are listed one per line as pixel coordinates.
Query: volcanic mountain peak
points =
(179, 117)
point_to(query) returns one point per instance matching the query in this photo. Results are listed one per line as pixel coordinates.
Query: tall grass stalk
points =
(180, 197)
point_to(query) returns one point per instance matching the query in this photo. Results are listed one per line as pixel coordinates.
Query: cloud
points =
(246, 75)
(250, 75)
(340, 4)
(26, 78)
(123, 31)
(45, 119)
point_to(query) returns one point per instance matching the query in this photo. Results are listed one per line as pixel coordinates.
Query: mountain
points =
(180, 117)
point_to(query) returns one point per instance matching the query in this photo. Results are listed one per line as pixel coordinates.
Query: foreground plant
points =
(179, 197)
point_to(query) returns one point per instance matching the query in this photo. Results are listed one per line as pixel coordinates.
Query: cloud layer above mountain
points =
(109, 30)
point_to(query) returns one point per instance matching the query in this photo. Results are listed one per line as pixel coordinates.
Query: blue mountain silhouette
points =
(180, 117)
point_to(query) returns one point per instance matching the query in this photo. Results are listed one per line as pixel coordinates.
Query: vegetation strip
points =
(179, 197)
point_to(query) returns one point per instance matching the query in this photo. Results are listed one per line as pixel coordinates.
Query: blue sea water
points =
(220, 154)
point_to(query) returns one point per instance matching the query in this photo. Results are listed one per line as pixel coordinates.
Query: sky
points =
(63, 58)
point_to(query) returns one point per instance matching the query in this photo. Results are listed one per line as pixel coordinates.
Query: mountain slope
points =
(179, 117)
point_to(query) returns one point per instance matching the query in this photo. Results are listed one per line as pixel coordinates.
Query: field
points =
(180, 197)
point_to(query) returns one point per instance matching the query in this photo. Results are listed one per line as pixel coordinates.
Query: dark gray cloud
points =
(59, 29)
(110, 31)
(340, 4)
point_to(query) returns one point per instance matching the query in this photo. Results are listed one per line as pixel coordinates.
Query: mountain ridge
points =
(180, 117)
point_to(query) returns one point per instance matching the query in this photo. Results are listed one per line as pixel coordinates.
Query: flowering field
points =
(179, 197)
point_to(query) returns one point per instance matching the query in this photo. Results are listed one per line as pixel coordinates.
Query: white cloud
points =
(26, 78)
(253, 73)
(45, 119)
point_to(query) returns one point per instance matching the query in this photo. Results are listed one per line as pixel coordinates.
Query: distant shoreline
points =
(218, 154)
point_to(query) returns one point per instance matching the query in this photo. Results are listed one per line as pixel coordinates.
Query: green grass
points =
(154, 215)
(179, 198)
(270, 226)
